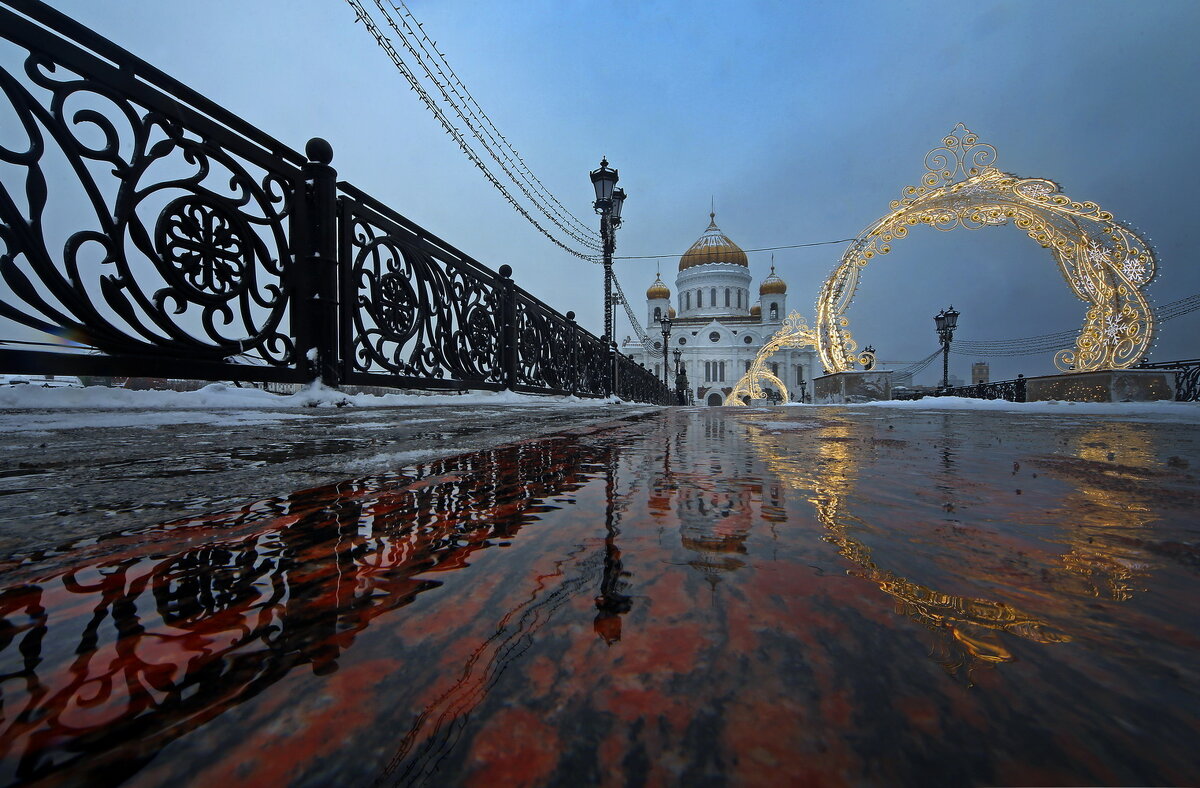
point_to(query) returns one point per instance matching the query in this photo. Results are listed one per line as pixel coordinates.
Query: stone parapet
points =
(848, 387)
(1113, 385)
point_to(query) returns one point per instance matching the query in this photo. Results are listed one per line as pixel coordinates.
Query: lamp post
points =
(804, 391)
(609, 201)
(946, 320)
(666, 332)
(681, 383)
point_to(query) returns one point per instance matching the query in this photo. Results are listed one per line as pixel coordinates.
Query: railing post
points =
(574, 351)
(508, 327)
(316, 302)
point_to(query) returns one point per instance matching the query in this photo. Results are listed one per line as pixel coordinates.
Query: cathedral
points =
(715, 325)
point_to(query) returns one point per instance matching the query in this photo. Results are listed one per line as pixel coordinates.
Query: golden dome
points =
(756, 311)
(658, 289)
(713, 247)
(772, 284)
(671, 312)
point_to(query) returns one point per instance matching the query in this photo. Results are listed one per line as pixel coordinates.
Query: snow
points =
(221, 396)
(1187, 412)
(35, 411)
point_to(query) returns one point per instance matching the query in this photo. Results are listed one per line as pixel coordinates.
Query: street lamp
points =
(609, 201)
(666, 332)
(681, 383)
(946, 320)
(804, 391)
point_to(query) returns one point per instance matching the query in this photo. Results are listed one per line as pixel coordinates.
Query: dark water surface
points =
(718, 596)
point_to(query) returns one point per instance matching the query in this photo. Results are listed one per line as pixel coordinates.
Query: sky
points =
(801, 120)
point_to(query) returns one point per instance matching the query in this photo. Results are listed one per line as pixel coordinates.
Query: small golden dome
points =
(658, 289)
(713, 247)
(772, 284)
(671, 312)
(756, 311)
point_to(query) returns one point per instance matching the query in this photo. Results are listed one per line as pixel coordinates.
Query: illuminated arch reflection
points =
(971, 622)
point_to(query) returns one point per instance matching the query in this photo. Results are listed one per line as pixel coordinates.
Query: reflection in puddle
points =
(697, 597)
(832, 478)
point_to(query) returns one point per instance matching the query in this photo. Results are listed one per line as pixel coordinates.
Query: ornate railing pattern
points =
(1011, 390)
(196, 246)
(1187, 377)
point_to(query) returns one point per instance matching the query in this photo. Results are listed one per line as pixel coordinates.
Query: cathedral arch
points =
(1105, 263)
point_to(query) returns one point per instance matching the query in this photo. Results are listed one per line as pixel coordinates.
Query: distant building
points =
(980, 373)
(716, 327)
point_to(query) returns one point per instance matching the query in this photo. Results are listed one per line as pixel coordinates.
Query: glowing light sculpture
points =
(794, 333)
(1104, 262)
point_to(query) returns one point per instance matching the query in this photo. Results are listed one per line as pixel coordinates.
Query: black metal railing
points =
(1187, 377)
(1011, 390)
(196, 246)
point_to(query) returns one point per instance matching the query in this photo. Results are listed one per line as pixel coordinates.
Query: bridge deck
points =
(790, 595)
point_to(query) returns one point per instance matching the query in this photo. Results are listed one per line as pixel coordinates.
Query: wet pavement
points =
(69, 475)
(687, 597)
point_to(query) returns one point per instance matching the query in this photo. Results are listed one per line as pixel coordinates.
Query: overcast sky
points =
(802, 119)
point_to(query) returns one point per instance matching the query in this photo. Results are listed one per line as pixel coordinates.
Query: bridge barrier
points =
(196, 246)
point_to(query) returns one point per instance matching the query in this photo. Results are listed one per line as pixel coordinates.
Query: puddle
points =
(695, 597)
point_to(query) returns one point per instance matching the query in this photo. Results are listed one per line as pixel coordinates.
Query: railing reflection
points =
(148, 636)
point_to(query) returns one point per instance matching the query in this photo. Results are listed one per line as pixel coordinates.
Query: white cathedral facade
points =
(715, 323)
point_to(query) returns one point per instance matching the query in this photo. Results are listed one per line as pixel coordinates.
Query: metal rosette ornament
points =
(1104, 262)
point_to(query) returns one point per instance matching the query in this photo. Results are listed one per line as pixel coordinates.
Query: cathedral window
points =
(699, 298)
(749, 340)
(707, 371)
(747, 366)
(721, 371)
(775, 369)
(727, 296)
(799, 374)
(657, 313)
(774, 311)
(688, 295)
(739, 298)
(713, 293)
(715, 336)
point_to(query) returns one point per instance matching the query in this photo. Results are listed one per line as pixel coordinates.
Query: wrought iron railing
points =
(196, 246)
(1187, 377)
(1011, 390)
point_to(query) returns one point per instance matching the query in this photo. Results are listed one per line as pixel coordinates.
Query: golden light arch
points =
(1105, 263)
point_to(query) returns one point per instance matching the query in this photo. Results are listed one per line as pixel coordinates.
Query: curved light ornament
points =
(1105, 263)
(794, 333)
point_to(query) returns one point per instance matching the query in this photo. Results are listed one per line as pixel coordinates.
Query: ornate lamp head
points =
(618, 200)
(604, 180)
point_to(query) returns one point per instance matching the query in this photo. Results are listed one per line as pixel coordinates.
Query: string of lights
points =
(759, 249)
(456, 86)
(918, 367)
(1044, 343)
(386, 45)
(637, 326)
(420, 53)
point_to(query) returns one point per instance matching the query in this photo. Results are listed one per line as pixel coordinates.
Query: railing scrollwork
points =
(193, 245)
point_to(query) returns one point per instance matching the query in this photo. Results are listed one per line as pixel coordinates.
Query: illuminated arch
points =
(794, 333)
(1105, 263)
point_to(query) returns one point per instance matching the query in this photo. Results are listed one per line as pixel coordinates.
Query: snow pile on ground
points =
(1184, 411)
(222, 396)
